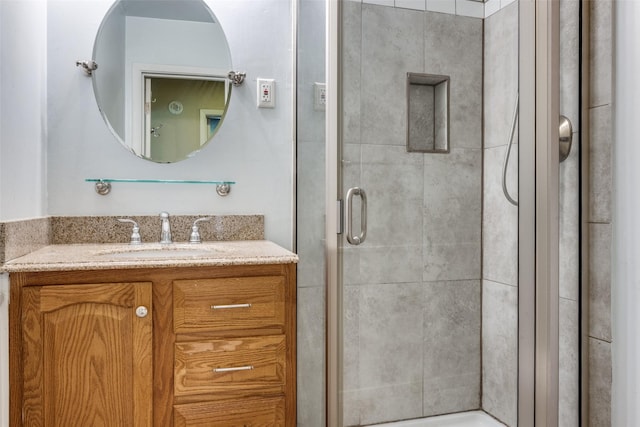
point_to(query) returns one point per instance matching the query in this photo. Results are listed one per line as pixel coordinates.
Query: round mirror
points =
(161, 82)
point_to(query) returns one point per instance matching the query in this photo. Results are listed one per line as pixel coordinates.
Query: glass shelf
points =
(160, 181)
(103, 185)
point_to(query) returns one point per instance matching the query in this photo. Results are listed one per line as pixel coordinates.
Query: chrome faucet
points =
(165, 236)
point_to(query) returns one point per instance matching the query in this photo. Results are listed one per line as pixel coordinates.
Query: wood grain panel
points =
(196, 364)
(57, 297)
(264, 412)
(85, 360)
(193, 302)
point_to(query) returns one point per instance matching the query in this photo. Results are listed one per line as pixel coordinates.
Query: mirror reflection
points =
(161, 82)
(179, 108)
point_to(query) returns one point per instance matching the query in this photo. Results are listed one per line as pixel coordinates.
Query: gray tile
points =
(601, 52)
(600, 175)
(311, 265)
(351, 265)
(351, 340)
(350, 356)
(451, 261)
(500, 218)
(570, 223)
(310, 214)
(383, 345)
(500, 351)
(570, 60)
(351, 408)
(390, 403)
(451, 347)
(311, 368)
(452, 215)
(351, 69)
(500, 74)
(569, 375)
(422, 122)
(453, 195)
(392, 179)
(351, 166)
(391, 334)
(453, 47)
(599, 383)
(600, 281)
(390, 264)
(392, 45)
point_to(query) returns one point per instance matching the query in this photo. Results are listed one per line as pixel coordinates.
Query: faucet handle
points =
(135, 233)
(195, 233)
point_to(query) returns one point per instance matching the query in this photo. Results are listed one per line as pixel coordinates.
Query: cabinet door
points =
(88, 355)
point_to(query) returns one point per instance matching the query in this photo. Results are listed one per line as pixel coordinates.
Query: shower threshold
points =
(460, 419)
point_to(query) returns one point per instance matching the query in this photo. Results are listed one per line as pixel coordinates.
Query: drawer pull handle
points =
(221, 307)
(239, 368)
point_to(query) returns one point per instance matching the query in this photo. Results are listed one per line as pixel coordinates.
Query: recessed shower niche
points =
(427, 113)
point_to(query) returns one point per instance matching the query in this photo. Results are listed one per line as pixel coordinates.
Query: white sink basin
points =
(161, 251)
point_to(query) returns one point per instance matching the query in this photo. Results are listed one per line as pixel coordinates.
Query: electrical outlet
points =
(319, 96)
(266, 93)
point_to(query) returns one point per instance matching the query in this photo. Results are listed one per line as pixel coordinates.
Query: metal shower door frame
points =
(538, 213)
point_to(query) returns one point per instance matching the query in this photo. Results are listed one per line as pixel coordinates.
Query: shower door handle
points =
(356, 240)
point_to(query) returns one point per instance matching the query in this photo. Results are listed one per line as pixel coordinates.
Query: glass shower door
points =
(433, 312)
(429, 297)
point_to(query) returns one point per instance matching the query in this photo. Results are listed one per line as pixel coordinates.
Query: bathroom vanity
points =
(153, 335)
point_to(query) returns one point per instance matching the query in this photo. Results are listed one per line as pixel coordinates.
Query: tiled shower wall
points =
(412, 290)
(500, 228)
(599, 214)
(500, 220)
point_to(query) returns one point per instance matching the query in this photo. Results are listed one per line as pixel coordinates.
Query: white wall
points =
(23, 123)
(254, 147)
(626, 232)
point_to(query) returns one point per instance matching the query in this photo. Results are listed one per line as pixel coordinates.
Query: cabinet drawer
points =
(228, 303)
(238, 364)
(252, 412)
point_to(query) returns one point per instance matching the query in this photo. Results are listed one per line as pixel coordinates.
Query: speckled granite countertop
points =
(114, 256)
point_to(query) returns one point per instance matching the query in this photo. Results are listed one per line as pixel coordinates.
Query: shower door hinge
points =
(339, 217)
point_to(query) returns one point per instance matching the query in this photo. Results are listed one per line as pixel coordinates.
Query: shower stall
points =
(406, 231)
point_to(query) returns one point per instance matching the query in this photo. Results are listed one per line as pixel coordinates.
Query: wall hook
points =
(236, 77)
(87, 66)
(102, 187)
(223, 189)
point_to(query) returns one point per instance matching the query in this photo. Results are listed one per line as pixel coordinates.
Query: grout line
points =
(592, 107)
(499, 282)
(599, 339)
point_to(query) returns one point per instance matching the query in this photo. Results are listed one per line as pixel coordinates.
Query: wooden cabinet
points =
(88, 356)
(206, 346)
